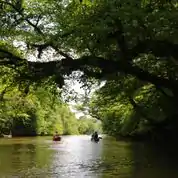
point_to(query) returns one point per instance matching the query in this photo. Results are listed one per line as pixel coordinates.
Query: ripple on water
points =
(78, 157)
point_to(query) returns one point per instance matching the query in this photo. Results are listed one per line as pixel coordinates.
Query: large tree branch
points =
(10, 58)
(41, 47)
(156, 47)
(111, 67)
(88, 65)
(106, 67)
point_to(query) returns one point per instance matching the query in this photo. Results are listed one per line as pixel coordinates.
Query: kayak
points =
(56, 138)
(96, 139)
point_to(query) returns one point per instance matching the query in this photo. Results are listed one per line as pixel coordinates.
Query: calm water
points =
(78, 157)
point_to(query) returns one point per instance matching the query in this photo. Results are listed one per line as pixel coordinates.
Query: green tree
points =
(119, 40)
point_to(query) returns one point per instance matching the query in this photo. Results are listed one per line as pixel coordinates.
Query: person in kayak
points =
(92, 136)
(56, 135)
(95, 137)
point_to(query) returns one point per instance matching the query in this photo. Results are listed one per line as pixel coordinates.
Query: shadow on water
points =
(155, 161)
(140, 160)
(78, 157)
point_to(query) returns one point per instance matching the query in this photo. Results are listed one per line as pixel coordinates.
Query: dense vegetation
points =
(131, 45)
(132, 108)
(40, 112)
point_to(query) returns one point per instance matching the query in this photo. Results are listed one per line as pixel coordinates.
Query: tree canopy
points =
(130, 44)
(100, 38)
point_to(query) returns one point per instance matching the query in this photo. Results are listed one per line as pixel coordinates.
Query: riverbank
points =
(155, 137)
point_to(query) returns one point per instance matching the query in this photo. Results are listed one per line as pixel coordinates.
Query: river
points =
(78, 157)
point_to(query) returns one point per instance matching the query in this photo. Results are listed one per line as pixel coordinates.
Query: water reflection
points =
(117, 160)
(78, 157)
(23, 158)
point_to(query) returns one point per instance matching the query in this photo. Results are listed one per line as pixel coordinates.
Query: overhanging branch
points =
(156, 47)
(67, 65)
(12, 59)
(111, 67)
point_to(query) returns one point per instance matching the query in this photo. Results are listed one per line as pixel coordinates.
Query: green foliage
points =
(39, 112)
(132, 44)
(130, 107)
(89, 125)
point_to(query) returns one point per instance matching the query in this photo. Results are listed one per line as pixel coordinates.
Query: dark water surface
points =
(78, 157)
